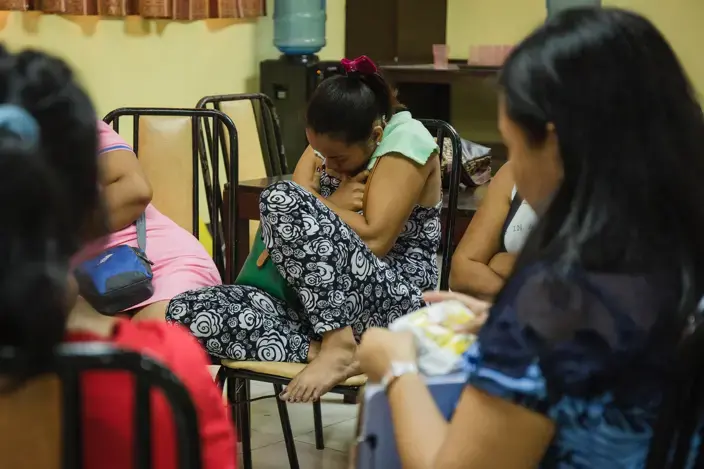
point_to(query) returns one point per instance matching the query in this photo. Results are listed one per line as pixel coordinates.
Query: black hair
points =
(631, 137)
(49, 192)
(630, 132)
(347, 106)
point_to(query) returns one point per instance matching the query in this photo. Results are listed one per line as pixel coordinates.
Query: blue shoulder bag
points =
(119, 278)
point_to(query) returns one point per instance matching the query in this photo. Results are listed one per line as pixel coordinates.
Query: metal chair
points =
(442, 130)
(258, 115)
(238, 374)
(255, 114)
(72, 360)
(259, 137)
(170, 146)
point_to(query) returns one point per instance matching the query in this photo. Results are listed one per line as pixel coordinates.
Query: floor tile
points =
(260, 440)
(339, 436)
(265, 415)
(259, 389)
(275, 457)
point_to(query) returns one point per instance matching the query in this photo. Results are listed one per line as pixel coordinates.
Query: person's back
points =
(48, 167)
(108, 427)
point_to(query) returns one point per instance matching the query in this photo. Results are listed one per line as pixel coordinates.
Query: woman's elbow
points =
(461, 274)
(456, 282)
(379, 247)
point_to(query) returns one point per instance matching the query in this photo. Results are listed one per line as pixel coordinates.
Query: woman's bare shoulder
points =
(503, 179)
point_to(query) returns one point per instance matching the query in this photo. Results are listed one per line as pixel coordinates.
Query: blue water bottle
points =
(299, 26)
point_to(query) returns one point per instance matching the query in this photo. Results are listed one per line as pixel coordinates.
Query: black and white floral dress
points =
(339, 281)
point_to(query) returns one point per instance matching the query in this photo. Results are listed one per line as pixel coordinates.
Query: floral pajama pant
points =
(339, 283)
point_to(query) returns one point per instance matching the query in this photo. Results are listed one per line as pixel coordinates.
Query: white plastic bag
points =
(440, 346)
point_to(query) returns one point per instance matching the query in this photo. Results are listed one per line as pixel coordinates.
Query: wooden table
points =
(248, 193)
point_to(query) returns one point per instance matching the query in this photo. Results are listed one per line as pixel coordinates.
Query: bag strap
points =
(366, 186)
(142, 232)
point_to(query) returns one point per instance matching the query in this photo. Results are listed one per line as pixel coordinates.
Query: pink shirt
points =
(181, 263)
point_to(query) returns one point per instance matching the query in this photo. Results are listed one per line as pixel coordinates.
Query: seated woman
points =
(49, 170)
(181, 263)
(350, 270)
(605, 137)
(484, 258)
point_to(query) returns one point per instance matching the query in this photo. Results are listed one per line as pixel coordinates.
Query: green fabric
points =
(406, 136)
(267, 277)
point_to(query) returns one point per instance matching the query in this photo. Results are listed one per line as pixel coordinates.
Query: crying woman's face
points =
(341, 158)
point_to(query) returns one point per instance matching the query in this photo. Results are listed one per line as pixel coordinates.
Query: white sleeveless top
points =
(519, 227)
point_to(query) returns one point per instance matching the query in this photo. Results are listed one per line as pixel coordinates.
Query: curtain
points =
(166, 9)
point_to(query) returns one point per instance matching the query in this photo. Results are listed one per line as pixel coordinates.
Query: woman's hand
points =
(380, 347)
(480, 308)
(350, 194)
(316, 179)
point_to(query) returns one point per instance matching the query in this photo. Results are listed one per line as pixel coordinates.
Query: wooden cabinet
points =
(395, 31)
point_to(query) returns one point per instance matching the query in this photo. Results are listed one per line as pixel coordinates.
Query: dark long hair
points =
(631, 138)
(347, 106)
(49, 191)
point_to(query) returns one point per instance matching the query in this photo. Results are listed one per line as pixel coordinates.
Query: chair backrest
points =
(260, 144)
(442, 131)
(41, 422)
(170, 145)
(259, 128)
(682, 411)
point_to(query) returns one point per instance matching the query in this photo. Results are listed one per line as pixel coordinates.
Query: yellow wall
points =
(507, 21)
(137, 62)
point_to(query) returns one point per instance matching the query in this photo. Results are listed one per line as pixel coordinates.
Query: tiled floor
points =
(268, 449)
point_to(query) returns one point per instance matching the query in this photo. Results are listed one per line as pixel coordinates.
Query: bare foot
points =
(313, 350)
(318, 377)
(354, 369)
(330, 364)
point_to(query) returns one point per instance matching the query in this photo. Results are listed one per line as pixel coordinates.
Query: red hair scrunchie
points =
(362, 65)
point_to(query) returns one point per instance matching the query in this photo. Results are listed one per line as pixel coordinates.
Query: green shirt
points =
(406, 136)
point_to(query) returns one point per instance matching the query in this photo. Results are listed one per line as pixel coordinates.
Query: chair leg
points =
(286, 427)
(221, 377)
(233, 400)
(318, 424)
(248, 390)
(245, 426)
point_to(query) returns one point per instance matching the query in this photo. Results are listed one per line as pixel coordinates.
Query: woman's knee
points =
(178, 309)
(284, 197)
(282, 206)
